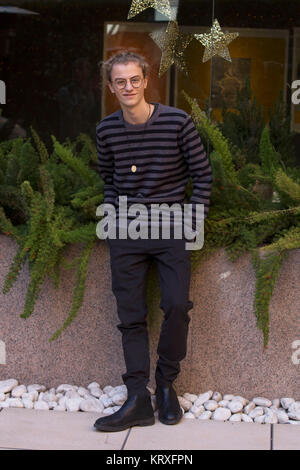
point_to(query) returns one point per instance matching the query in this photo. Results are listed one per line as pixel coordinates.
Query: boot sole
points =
(108, 428)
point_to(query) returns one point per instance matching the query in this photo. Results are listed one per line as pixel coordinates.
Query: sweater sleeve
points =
(199, 167)
(105, 167)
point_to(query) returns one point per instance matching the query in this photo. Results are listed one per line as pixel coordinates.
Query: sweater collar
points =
(152, 118)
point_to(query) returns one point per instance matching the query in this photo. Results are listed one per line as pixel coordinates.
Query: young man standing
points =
(147, 151)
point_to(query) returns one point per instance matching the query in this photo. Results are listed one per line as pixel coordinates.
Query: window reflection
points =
(49, 56)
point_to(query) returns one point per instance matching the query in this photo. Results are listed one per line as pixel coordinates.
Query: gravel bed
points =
(107, 400)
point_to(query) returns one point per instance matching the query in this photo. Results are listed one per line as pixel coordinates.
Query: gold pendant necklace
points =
(133, 167)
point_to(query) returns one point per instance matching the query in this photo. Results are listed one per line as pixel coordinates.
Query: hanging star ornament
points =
(216, 42)
(137, 6)
(172, 44)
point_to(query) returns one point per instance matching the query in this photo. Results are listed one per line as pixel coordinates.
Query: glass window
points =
(50, 53)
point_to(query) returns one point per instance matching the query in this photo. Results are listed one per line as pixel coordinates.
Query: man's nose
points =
(128, 83)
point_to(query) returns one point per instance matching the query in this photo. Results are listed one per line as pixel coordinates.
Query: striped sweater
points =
(166, 151)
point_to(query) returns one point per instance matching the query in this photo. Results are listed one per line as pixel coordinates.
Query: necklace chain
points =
(133, 167)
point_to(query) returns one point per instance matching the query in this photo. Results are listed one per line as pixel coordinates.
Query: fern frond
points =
(79, 287)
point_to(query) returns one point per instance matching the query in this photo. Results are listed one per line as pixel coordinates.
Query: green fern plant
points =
(49, 224)
(243, 221)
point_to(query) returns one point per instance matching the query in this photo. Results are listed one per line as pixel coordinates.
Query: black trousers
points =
(130, 260)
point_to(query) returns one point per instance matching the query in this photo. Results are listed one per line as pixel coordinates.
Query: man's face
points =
(128, 96)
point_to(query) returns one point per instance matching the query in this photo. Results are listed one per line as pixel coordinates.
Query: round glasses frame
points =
(122, 82)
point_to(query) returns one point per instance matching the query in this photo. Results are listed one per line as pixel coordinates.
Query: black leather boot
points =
(169, 409)
(137, 410)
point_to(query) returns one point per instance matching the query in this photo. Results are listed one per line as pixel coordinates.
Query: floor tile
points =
(40, 429)
(286, 437)
(205, 435)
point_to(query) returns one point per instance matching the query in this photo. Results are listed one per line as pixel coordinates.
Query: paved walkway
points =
(21, 428)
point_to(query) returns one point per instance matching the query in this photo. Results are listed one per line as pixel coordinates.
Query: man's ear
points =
(145, 82)
(110, 87)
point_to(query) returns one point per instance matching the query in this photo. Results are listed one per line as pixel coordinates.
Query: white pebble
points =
(223, 403)
(108, 411)
(185, 403)
(236, 417)
(258, 411)
(27, 403)
(62, 401)
(49, 397)
(33, 396)
(190, 397)
(221, 414)
(246, 418)
(249, 407)
(203, 398)
(210, 405)
(91, 405)
(2, 396)
(65, 388)
(72, 394)
(294, 411)
(197, 410)
(59, 408)
(82, 391)
(7, 385)
(18, 391)
(228, 397)
(235, 406)
(93, 384)
(261, 401)
(41, 405)
(111, 392)
(118, 398)
(72, 404)
(282, 416)
(189, 415)
(294, 406)
(271, 418)
(260, 419)
(286, 402)
(205, 415)
(243, 400)
(106, 400)
(294, 415)
(107, 389)
(217, 396)
(15, 402)
(96, 392)
(4, 404)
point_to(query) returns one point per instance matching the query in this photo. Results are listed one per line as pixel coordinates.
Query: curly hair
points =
(123, 57)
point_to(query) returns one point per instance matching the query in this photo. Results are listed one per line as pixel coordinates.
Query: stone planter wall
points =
(225, 348)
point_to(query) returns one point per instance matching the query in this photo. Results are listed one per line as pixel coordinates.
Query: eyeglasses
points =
(122, 82)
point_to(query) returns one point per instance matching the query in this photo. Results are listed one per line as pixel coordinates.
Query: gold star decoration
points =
(172, 44)
(137, 6)
(216, 42)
